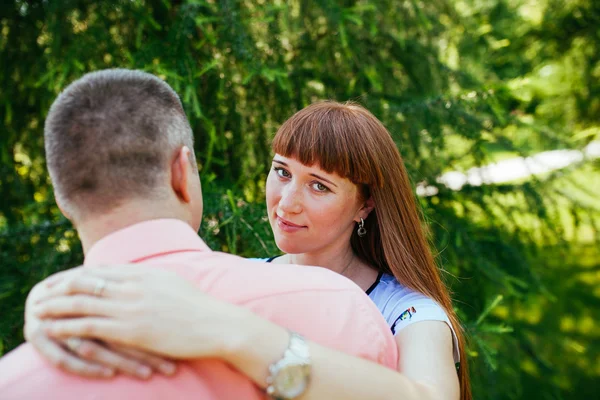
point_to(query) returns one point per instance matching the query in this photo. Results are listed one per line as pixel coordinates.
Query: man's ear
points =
(366, 209)
(62, 208)
(180, 174)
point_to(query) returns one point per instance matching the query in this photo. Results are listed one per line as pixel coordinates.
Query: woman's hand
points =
(140, 307)
(86, 357)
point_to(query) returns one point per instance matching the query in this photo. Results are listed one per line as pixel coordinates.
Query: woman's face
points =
(309, 209)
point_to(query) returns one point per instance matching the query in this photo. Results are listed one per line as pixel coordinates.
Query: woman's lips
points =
(287, 226)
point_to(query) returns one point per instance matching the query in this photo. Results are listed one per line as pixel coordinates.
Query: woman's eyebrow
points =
(326, 180)
(315, 175)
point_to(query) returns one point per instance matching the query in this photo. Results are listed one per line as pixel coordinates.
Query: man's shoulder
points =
(316, 302)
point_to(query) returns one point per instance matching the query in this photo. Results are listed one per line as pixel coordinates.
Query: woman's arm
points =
(164, 314)
(426, 370)
(86, 357)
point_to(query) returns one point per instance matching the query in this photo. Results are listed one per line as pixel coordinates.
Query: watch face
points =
(291, 381)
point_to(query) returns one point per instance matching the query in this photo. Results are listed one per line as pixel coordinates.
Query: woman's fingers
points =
(157, 363)
(90, 327)
(37, 292)
(77, 305)
(63, 359)
(105, 281)
(58, 276)
(117, 273)
(82, 284)
(112, 272)
(97, 360)
(103, 355)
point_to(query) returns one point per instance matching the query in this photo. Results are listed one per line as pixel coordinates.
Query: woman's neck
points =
(343, 261)
(337, 262)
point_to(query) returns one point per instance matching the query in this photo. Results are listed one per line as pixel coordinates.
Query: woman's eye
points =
(282, 172)
(319, 187)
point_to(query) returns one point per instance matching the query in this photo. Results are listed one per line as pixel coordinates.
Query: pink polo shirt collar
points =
(144, 240)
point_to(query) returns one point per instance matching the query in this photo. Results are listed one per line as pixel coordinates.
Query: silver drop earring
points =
(361, 228)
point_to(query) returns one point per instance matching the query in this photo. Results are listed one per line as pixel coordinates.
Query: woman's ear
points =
(365, 210)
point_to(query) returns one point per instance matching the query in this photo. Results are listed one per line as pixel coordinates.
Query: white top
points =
(401, 306)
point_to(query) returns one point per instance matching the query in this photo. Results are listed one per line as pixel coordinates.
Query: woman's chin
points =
(288, 246)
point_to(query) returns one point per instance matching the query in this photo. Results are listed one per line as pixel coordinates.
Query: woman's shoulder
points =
(387, 289)
(399, 303)
(402, 306)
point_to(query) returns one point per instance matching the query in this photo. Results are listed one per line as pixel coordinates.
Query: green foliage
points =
(457, 83)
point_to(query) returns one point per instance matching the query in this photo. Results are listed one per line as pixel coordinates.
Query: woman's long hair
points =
(346, 139)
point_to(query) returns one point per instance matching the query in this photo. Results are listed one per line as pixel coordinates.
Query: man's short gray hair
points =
(110, 136)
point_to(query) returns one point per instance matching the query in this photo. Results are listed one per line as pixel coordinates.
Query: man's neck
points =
(96, 227)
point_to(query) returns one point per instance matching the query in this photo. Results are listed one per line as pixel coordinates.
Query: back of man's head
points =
(110, 137)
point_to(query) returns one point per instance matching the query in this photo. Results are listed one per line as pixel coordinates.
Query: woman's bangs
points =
(311, 146)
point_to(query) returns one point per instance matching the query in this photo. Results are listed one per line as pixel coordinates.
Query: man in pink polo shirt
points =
(118, 151)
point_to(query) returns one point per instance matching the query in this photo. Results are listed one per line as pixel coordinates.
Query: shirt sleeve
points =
(415, 307)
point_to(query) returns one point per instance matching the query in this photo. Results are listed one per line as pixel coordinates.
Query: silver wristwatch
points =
(289, 377)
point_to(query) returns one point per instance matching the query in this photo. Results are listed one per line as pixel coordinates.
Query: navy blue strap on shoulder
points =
(374, 285)
(272, 258)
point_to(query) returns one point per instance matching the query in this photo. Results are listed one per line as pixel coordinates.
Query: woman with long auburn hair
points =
(346, 140)
(339, 197)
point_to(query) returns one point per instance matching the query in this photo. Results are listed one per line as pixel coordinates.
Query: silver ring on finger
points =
(100, 286)
(73, 343)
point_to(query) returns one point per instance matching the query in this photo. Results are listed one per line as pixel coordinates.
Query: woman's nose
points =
(291, 199)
